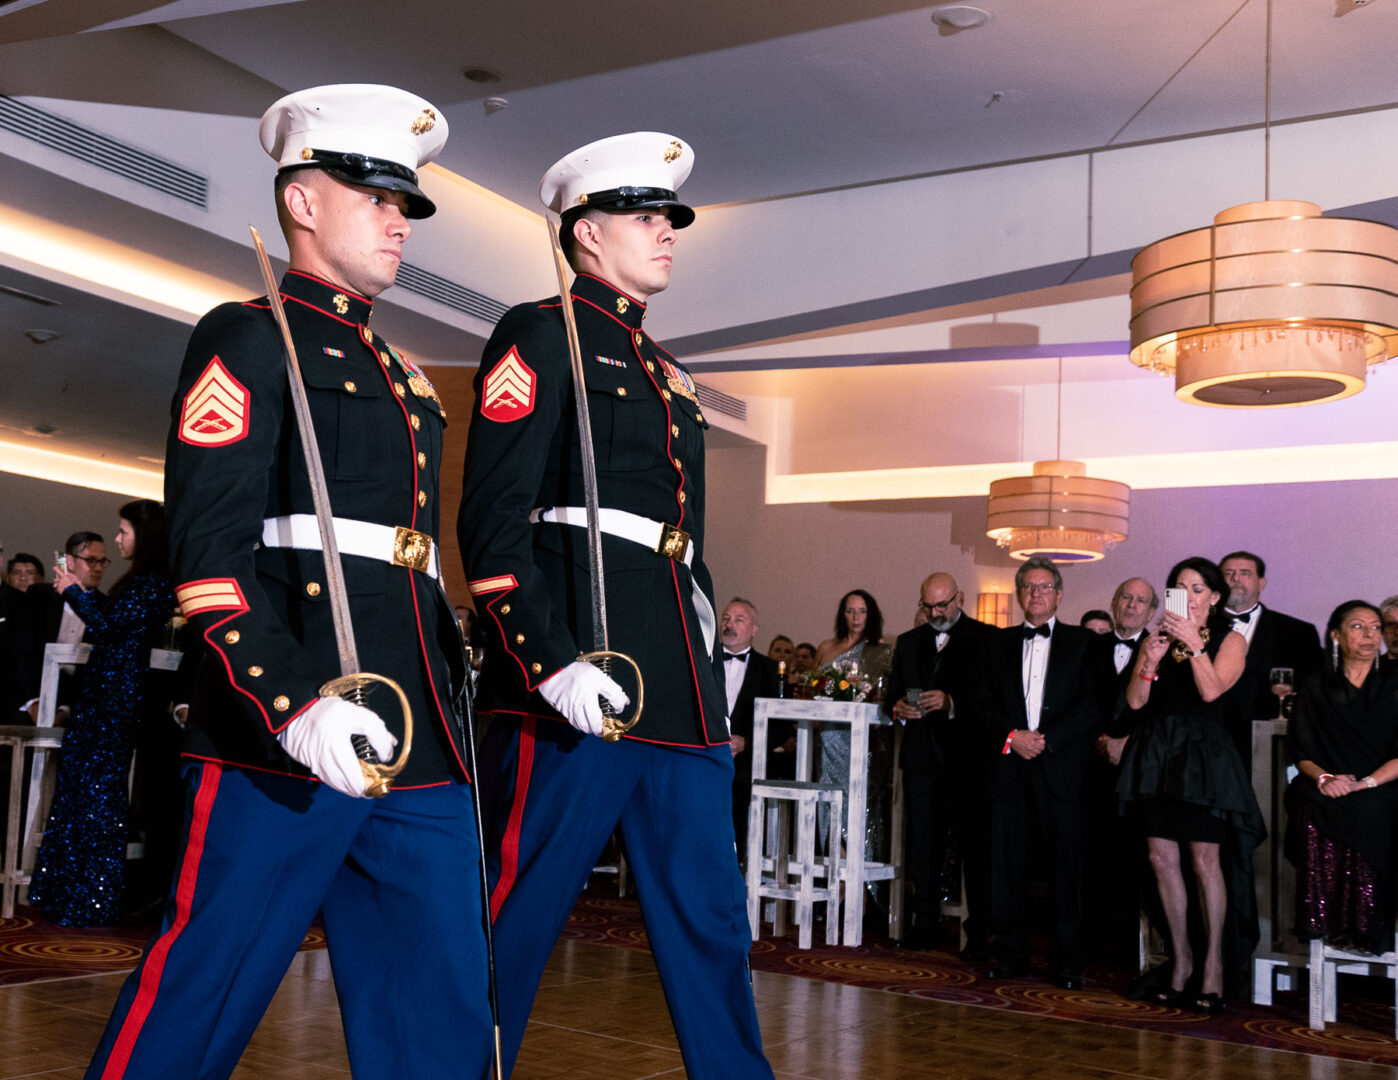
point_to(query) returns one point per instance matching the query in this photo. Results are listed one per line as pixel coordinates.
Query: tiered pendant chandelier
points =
(1059, 513)
(1272, 305)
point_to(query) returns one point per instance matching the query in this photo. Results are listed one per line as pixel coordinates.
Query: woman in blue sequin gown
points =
(80, 876)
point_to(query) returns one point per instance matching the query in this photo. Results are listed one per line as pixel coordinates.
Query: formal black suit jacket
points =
(1279, 641)
(959, 671)
(1117, 718)
(760, 680)
(1070, 718)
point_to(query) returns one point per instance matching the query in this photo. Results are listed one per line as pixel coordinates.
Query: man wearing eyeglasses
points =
(933, 689)
(1042, 721)
(51, 620)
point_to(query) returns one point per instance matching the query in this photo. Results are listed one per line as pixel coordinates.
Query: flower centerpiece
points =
(843, 681)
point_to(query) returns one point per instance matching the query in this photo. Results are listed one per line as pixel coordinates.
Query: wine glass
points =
(1283, 684)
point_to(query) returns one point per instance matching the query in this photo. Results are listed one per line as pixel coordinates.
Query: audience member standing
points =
(1274, 640)
(933, 688)
(1189, 782)
(1339, 834)
(1389, 610)
(1042, 722)
(80, 876)
(746, 676)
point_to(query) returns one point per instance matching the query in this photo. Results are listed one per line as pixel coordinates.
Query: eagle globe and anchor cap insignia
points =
(215, 410)
(508, 392)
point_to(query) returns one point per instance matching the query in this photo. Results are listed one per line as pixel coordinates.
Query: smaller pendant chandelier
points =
(1272, 305)
(1059, 513)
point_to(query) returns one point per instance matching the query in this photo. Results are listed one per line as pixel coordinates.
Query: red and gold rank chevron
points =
(210, 594)
(486, 586)
(215, 411)
(509, 389)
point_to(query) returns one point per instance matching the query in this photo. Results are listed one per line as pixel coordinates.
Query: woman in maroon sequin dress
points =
(1344, 739)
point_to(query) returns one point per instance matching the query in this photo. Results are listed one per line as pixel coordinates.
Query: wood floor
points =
(600, 1015)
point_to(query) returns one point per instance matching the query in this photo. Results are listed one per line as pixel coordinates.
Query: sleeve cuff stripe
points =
(494, 584)
(214, 594)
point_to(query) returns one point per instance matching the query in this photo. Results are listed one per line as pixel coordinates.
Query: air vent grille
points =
(86, 145)
(718, 401)
(445, 291)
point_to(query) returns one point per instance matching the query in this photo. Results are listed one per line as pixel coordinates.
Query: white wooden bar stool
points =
(793, 874)
(1326, 961)
(24, 825)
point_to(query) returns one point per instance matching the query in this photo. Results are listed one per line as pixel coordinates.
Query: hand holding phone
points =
(1177, 602)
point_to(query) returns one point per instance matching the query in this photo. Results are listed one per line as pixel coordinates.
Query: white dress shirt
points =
(1247, 629)
(1121, 651)
(734, 671)
(1034, 672)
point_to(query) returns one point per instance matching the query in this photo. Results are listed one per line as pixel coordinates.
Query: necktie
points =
(1036, 631)
(740, 656)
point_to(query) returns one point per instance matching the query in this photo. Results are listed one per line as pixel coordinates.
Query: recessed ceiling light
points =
(484, 76)
(954, 18)
(41, 337)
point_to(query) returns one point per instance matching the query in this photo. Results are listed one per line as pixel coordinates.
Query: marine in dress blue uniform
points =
(277, 825)
(553, 791)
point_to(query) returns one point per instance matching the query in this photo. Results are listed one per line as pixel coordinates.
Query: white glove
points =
(320, 740)
(574, 690)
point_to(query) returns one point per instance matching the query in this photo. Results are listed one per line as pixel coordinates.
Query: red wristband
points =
(1008, 739)
(1148, 678)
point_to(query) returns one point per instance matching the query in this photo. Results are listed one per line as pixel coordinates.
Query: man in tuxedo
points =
(746, 675)
(1113, 846)
(933, 689)
(1388, 611)
(1042, 719)
(1274, 640)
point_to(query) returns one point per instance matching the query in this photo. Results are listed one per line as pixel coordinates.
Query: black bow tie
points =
(1127, 641)
(1036, 631)
(1245, 616)
(743, 656)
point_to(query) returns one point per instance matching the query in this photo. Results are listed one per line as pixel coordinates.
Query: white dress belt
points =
(363, 538)
(622, 523)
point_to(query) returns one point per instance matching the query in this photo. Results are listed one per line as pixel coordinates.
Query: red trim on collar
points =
(608, 284)
(331, 285)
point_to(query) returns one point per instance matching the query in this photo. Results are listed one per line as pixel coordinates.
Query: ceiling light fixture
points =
(1058, 513)
(954, 18)
(1272, 305)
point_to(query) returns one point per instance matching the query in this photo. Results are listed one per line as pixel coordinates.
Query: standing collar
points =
(625, 307)
(329, 299)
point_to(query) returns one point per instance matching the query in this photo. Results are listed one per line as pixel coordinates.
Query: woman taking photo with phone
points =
(1182, 774)
(80, 876)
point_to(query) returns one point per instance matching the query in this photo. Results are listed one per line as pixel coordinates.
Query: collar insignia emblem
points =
(341, 302)
(622, 304)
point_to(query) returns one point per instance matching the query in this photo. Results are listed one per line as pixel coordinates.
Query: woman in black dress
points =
(1183, 773)
(1339, 836)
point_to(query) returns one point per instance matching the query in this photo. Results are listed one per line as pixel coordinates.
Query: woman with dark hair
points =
(1339, 835)
(80, 876)
(1182, 772)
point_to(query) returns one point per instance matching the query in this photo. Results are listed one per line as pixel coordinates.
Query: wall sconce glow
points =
(84, 259)
(80, 471)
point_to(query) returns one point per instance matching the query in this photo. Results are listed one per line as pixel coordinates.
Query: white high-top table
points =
(856, 871)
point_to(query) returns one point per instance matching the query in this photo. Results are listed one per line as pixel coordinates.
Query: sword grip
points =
(363, 750)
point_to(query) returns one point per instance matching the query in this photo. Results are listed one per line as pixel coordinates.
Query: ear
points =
(300, 203)
(588, 233)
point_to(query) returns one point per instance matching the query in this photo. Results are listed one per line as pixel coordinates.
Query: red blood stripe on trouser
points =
(184, 899)
(509, 845)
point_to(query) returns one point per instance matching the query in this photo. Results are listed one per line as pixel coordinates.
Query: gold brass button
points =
(281, 703)
(536, 668)
(254, 671)
(421, 460)
(665, 394)
(504, 609)
(349, 385)
(383, 359)
(650, 366)
(313, 588)
(681, 496)
(699, 417)
(422, 498)
(232, 637)
(416, 422)
(399, 389)
(621, 391)
(679, 464)
(675, 430)
(519, 639)
(638, 338)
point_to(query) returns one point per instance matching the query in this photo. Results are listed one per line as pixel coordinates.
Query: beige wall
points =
(1324, 543)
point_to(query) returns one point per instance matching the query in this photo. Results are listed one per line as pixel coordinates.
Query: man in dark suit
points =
(1042, 721)
(746, 675)
(933, 688)
(1274, 640)
(1113, 847)
(1388, 610)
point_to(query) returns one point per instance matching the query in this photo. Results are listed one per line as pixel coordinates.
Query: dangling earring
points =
(1334, 654)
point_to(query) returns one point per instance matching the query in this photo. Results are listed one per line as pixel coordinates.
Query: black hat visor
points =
(374, 172)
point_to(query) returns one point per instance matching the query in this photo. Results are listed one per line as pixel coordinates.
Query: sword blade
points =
(315, 471)
(589, 456)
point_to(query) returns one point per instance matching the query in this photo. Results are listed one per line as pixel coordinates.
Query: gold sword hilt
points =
(355, 687)
(613, 726)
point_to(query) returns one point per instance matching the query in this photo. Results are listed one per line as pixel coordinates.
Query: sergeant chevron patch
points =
(215, 411)
(508, 393)
(210, 594)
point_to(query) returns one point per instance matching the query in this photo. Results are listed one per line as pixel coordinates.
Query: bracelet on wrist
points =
(1369, 782)
(1322, 778)
(1008, 740)
(1148, 676)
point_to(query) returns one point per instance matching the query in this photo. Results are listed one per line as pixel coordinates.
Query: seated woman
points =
(1344, 739)
(80, 877)
(1183, 774)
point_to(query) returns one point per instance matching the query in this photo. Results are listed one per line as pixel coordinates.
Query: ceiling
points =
(779, 99)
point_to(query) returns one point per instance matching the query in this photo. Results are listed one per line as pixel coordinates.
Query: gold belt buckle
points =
(412, 549)
(674, 543)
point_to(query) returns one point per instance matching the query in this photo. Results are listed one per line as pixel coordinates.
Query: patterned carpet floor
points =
(32, 949)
